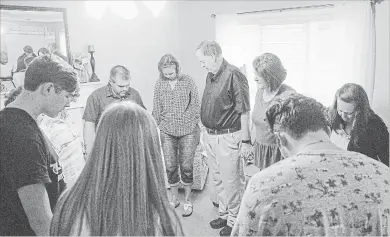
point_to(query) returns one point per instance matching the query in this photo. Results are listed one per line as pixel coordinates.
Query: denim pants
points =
(180, 151)
(226, 167)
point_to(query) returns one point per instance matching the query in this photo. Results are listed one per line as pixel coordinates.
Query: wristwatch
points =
(246, 141)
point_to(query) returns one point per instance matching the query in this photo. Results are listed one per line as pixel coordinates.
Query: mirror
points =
(27, 32)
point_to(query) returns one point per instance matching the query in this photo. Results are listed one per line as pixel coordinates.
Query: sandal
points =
(188, 208)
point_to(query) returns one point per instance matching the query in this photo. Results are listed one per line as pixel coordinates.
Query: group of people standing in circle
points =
(305, 155)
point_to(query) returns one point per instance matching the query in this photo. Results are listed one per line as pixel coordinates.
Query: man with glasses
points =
(31, 178)
(117, 89)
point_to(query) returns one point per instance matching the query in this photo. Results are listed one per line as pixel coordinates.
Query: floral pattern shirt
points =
(316, 193)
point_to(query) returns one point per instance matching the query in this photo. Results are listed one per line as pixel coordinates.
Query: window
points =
(301, 38)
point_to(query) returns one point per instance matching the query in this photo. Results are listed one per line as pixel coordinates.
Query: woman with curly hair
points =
(355, 126)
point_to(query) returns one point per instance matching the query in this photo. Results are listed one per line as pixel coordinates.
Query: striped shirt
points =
(177, 110)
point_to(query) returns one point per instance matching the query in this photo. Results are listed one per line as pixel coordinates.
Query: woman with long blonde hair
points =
(121, 190)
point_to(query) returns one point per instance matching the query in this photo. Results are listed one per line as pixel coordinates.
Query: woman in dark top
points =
(355, 126)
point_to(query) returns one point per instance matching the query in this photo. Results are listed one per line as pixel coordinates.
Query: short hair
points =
(210, 48)
(11, 96)
(43, 50)
(166, 61)
(121, 71)
(297, 115)
(50, 69)
(270, 68)
(28, 60)
(28, 49)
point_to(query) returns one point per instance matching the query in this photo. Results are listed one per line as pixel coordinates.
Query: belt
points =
(222, 131)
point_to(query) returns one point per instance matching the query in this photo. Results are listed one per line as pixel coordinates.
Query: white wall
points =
(381, 101)
(137, 43)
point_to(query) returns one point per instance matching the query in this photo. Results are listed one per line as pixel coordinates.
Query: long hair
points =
(352, 93)
(166, 61)
(121, 190)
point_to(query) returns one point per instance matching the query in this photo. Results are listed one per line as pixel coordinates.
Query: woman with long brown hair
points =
(355, 126)
(121, 190)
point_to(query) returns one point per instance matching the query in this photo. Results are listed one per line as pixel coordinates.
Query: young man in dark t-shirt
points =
(30, 176)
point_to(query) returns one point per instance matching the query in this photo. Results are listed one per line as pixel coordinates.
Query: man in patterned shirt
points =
(318, 189)
(225, 114)
(176, 110)
(117, 89)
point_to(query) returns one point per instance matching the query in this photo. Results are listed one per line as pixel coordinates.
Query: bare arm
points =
(89, 136)
(245, 133)
(36, 204)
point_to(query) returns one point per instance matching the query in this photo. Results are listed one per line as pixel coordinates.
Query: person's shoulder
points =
(133, 91)
(376, 122)
(99, 91)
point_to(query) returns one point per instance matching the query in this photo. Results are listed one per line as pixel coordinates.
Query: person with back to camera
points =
(318, 189)
(121, 190)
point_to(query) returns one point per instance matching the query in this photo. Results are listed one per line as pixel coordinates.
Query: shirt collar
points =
(111, 93)
(215, 76)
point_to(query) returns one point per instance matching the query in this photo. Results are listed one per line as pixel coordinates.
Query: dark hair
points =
(121, 70)
(271, 69)
(297, 115)
(50, 68)
(168, 60)
(11, 96)
(352, 93)
(28, 49)
(28, 60)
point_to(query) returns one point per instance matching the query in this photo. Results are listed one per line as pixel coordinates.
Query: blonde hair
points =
(121, 190)
(270, 68)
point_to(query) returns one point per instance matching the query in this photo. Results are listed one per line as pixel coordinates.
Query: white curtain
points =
(354, 31)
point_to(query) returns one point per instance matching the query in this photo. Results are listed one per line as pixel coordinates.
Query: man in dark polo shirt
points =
(225, 114)
(117, 89)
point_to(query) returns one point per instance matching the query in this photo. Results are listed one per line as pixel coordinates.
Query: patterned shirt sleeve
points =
(240, 92)
(156, 112)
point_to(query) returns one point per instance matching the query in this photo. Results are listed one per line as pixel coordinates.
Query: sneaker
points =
(218, 223)
(226, 231)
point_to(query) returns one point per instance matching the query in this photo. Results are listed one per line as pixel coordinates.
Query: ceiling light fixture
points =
(125, 9)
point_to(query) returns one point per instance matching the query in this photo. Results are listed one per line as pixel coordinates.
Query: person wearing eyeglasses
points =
(118, 89)
(355, 126)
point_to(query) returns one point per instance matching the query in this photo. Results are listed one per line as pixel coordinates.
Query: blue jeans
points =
(180, 151)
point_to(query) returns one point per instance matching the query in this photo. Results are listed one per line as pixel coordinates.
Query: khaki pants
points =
(227, 176)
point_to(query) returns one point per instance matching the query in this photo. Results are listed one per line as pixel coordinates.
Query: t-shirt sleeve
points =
(27, 164)
(91, 112)
(240, 92)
